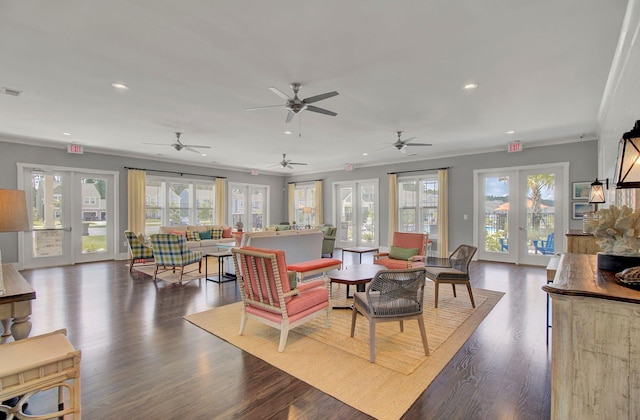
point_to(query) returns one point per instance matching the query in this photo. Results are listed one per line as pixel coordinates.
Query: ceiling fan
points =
(401, 145)
(295, 105)
(286, 163)
(178, 145)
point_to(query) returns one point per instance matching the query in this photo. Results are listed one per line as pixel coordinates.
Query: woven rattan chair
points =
(456, 273)
(170, 252)
(139, 251)
(267, 296)
(392, 295)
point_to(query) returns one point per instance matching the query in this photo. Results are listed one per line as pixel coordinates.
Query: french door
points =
(73, 217)
(520, 213)
(248, 204)
(356, 213)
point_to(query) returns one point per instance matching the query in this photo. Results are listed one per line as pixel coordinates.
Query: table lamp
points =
(13, 217)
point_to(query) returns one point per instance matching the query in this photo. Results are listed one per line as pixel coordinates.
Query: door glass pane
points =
(179, 203)
(205, 197)
(345, 197)
(257, 208)
(541, 213)
(367, 209)
(94, 214)
(154, 205)
(496, 202)
(407, 202)
(46, 190)
(238, 201)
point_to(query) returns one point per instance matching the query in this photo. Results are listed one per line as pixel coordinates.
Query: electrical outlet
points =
(125, 243)
(466, 217)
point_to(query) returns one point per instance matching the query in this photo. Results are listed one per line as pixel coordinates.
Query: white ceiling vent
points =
(11, 92)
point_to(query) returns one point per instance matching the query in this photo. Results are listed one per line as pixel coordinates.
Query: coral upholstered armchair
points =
(408, 250)
(267, 296)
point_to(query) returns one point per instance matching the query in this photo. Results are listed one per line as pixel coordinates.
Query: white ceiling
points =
(195, 66)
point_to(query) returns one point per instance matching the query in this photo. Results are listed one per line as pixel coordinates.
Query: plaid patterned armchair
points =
(139, 251)
(170, 250)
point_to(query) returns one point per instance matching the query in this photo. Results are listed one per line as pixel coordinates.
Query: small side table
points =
(359, 250)
(222, 276)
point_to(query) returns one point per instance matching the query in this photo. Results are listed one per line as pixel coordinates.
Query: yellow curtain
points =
(291, 201)
(319, 203)
(221, 201)
(443, 213)
(393, 206)
(137, 181)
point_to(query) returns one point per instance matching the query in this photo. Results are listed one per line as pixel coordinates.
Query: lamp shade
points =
(597, 193)
(628, 164)
(13, 211)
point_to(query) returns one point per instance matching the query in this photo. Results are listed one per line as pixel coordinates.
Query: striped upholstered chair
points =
(139, 251)
(170, 252)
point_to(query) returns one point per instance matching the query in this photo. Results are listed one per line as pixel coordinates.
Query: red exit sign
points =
(515, 147)
(75, 148)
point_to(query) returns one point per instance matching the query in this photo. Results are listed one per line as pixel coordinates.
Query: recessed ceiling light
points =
(365, 154)
(470, 86)
(287, 132)
(66, 134)
(511, 132)
(204, 154)
(120, 86)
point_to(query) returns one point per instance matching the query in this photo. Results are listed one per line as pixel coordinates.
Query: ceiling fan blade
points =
(403, 149)
(296, 163)
(321, 110)
(158, 144)
(317, 98)
(419, 144)
(263, 107)
(280, 93)
(289, 166)
(409, 139)
(192, 150)
(195, 146)
(290, 116)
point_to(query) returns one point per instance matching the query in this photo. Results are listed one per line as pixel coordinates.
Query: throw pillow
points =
(178, 232)
(192, 235)
(226, 232)
(205, 234)
(216, 233)
(270, 229)
(398, 253)
(144, 240)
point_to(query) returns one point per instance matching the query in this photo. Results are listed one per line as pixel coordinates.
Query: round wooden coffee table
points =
(354, 275)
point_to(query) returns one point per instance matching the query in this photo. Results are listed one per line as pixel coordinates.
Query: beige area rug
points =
(171, 277)
(333, 362)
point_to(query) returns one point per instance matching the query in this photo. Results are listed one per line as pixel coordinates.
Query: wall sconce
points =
(596, 195)
(628, 164)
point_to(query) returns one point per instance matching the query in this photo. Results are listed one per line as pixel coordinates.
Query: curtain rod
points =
(417, 170)
(174, 172)
(309, 180)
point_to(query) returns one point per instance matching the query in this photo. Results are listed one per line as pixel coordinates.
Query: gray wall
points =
(12, 153)
(583, 166)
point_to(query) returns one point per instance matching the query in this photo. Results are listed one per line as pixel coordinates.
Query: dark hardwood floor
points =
(141, 359)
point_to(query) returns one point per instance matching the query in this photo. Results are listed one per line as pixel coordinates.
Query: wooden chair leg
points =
(131, 265)
(354, 316)
(453, 285)
(473, 303)
(423, 334)
(155, 274)
(437, 288)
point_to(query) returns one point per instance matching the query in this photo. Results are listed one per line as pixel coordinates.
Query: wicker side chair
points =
(170, 251)
(267, 296)
(138, 250)
(456, 273)
(392, 295)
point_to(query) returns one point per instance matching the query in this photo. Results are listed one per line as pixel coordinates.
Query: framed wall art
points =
(581, 190)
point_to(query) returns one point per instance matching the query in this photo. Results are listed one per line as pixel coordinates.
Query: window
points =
(90, 200)
(248, 205)
(172, 202)
(418, 205)
(305, 204)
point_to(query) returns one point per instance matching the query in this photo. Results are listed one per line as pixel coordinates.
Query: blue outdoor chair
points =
(545, 247)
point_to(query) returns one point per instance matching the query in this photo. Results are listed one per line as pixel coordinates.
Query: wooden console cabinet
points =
(581, 243)
(595, 354)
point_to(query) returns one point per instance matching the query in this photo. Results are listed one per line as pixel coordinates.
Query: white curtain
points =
(393, 206)
(221, 201)
(291, 201)
(319, 203)
(443, 213)
(137, 181)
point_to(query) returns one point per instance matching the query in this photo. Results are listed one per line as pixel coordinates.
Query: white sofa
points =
(204, 245)
(298, 245)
